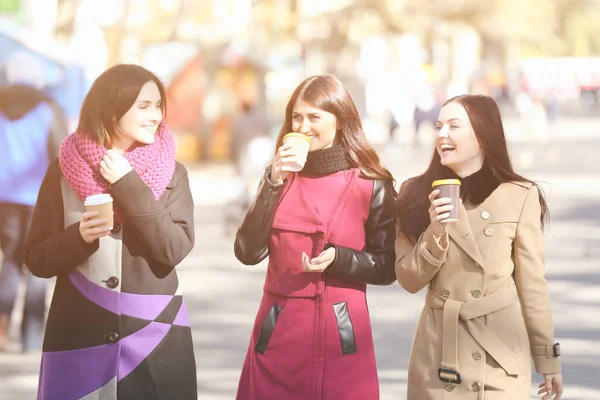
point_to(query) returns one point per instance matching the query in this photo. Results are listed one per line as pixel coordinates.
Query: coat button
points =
(476, 356)
(113, 337)
(116, 229)
(445, 293)
(112, 282)
(449, 387)
(489, 231)
(485, 215)
(476, 293)
(476, 386)
(477, 265)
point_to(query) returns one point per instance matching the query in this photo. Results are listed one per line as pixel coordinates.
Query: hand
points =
(279, 171)
(439, 210)
(88, 226)
(114, 166)
(320, 263)
(552, 385)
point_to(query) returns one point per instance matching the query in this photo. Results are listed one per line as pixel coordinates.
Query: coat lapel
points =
(464, 232)
(462, 235)
(477, 222)
(296, 212)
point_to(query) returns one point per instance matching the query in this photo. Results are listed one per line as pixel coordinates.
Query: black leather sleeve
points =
(252, 238)
(375, 265)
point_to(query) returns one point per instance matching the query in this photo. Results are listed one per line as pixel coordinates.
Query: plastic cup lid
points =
(446, 182)
(97, 199)
(296, 134)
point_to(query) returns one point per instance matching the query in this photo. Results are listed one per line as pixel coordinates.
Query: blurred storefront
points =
(237, 81)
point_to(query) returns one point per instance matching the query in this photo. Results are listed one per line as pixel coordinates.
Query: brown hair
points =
(112, 94)
(484, 115)
(328, 94)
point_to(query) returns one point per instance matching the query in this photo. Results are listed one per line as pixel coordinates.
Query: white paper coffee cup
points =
(103, 203)
(300, 146)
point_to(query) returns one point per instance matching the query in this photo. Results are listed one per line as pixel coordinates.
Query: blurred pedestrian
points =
(426, 108)
(552, 106)
(250, 150)
(118, 326)
(248, 125)
(32, 127)
(251, 164)
(328, 231)
(473, 340)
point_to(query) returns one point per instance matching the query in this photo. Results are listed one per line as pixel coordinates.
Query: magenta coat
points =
(312, 336)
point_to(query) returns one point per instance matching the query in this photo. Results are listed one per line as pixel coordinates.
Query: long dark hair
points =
(112, 94)
(412, 204)
(328, 94)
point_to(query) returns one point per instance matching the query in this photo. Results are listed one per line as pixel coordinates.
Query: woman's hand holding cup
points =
(92, 228)
(290, 157)
(444, 209)
(280, 171)
(439, 211)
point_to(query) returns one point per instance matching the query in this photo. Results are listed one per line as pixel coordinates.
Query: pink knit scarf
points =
(80, 163)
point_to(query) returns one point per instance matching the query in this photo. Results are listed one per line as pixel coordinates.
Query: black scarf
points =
(326, 161)
(478, 186)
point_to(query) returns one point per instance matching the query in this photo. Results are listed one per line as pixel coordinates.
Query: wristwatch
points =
(556, 349)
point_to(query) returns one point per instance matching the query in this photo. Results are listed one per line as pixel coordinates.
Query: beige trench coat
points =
(471, 322)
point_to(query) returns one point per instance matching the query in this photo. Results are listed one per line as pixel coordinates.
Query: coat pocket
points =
(266, 328)
(345, 328)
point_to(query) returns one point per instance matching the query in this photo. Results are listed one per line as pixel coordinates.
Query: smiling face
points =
(317, 124)
(140, 122)
(456, 142)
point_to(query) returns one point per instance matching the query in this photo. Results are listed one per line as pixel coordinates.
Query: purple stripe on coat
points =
(73, 374)
(145, 306)
(182, 318)
(135, 348)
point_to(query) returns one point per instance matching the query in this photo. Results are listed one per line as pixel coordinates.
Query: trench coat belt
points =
(468, 312)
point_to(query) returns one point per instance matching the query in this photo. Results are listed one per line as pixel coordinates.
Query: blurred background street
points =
(229, 67)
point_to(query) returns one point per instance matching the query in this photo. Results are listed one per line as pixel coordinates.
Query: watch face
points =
(556, 349)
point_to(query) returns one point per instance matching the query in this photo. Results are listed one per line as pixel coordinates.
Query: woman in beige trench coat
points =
(472, 340)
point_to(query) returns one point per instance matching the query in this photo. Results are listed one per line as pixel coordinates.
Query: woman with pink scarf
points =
(117, 326)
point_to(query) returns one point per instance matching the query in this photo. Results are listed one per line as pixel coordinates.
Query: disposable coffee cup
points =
(449, 188)
(103, 203)
(300, 146)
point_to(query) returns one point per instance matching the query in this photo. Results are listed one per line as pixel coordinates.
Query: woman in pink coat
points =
(328, 231)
